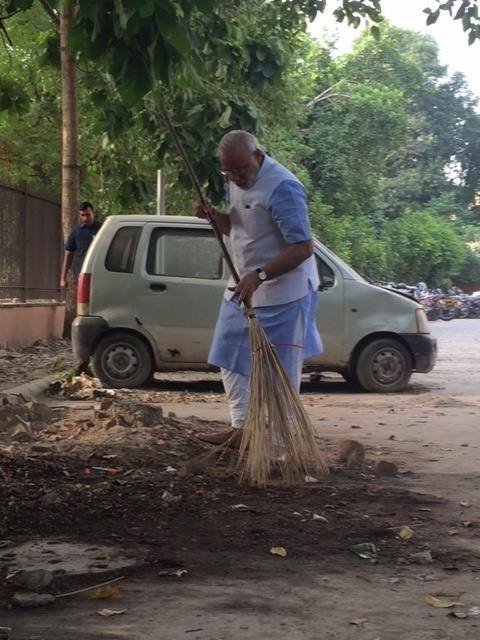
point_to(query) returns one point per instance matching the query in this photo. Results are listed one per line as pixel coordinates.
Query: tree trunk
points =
(70, 167)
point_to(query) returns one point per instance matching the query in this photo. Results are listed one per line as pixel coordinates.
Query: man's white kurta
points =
(265, 219)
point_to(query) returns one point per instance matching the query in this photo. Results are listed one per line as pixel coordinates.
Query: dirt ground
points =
(209, 572)
(18, 366)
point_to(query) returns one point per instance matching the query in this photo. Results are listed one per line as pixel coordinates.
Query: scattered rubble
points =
(386, 468)
(26, 599)
(351, 452)
(41, 359)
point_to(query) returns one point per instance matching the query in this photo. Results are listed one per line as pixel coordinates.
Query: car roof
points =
(190, 220)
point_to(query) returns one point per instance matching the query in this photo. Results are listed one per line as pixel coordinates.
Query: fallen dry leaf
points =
(358, 621)
(278, 551)
(439, 603)
(318, 517)
(406, 533)
(6, 451)
(180, 572)
(111, 612)
(104, 592)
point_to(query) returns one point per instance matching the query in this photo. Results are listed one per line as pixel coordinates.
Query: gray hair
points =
(238, 138)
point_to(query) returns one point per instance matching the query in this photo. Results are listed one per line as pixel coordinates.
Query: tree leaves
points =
(224, 120)
(135, 80)
(18, 5)
(13, 97)
(433, 17)
(178, 38)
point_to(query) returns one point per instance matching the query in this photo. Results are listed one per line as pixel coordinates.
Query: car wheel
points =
(384, 366)
(122, 360)
(350, 377)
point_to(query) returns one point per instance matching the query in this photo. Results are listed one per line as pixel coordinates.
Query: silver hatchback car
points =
(150, 290)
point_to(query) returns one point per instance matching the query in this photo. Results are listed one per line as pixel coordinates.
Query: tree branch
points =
(5, 37)
(327, 94)
(54, 16)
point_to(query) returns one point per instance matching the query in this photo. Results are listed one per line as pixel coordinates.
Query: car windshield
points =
(347, 269)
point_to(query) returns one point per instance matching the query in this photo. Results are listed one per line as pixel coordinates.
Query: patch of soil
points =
(125, 474)
(42, 359)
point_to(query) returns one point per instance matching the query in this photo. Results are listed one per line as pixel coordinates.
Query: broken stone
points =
(9, 415)
(33, 580)
(83, 394)
(127, 419)
(351, 452)
(106, 404)
(10, 399)
(117, 430)
(27, 599)
(385, 468)
(50, 498)
(44, 447)
(20, 432)
(169, 498)
(38, 411)
(422, 557)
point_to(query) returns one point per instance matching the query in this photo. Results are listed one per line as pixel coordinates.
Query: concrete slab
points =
(68, 558)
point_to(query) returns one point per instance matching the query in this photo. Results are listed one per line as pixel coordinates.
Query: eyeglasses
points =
(235, 171)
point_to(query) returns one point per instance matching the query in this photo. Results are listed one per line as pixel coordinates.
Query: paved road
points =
(457, 372)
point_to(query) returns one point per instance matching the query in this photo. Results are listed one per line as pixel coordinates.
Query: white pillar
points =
(160, 192)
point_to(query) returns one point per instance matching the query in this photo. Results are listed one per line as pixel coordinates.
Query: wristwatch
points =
(262, 276)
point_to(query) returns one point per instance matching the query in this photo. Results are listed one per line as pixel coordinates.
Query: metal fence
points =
(30, 243)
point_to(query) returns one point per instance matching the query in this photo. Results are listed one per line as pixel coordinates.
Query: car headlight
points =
(422, 321)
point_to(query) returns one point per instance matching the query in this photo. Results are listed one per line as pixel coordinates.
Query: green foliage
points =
(30, 144)
(424, 247)
(354, 239)
(391, 159)
(349, 140)
(470, 270)
(402, 136)
(13, 98)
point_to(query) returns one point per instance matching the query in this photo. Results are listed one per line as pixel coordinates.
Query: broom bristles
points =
(278, 434)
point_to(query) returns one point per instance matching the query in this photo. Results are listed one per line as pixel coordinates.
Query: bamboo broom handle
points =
(198, 189)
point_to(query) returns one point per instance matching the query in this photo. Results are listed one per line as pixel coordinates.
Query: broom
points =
(277, 435)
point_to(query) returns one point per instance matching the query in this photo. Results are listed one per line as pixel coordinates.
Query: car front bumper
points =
(424, 350)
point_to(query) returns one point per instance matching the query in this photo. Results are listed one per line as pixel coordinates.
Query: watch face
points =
(261, 274)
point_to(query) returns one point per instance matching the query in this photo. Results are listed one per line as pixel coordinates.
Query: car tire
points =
(384, 366)
(350, 377)
(122, 360)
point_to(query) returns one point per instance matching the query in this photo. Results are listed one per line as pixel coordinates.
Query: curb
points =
(30, 390)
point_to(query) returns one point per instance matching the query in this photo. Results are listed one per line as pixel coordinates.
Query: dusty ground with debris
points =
(18, 366)
(123, 471)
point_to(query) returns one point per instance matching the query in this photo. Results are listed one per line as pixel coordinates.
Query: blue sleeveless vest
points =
(256, 239)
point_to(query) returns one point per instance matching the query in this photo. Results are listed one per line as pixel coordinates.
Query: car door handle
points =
(158, 286)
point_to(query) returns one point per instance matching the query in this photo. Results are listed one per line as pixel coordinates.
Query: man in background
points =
(78, 242)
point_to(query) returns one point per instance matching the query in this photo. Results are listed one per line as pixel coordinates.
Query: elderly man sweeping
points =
(267, 221)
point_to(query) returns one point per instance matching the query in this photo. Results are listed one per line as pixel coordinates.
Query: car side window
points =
(325, 274)
(122, 250)
(184, 253)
